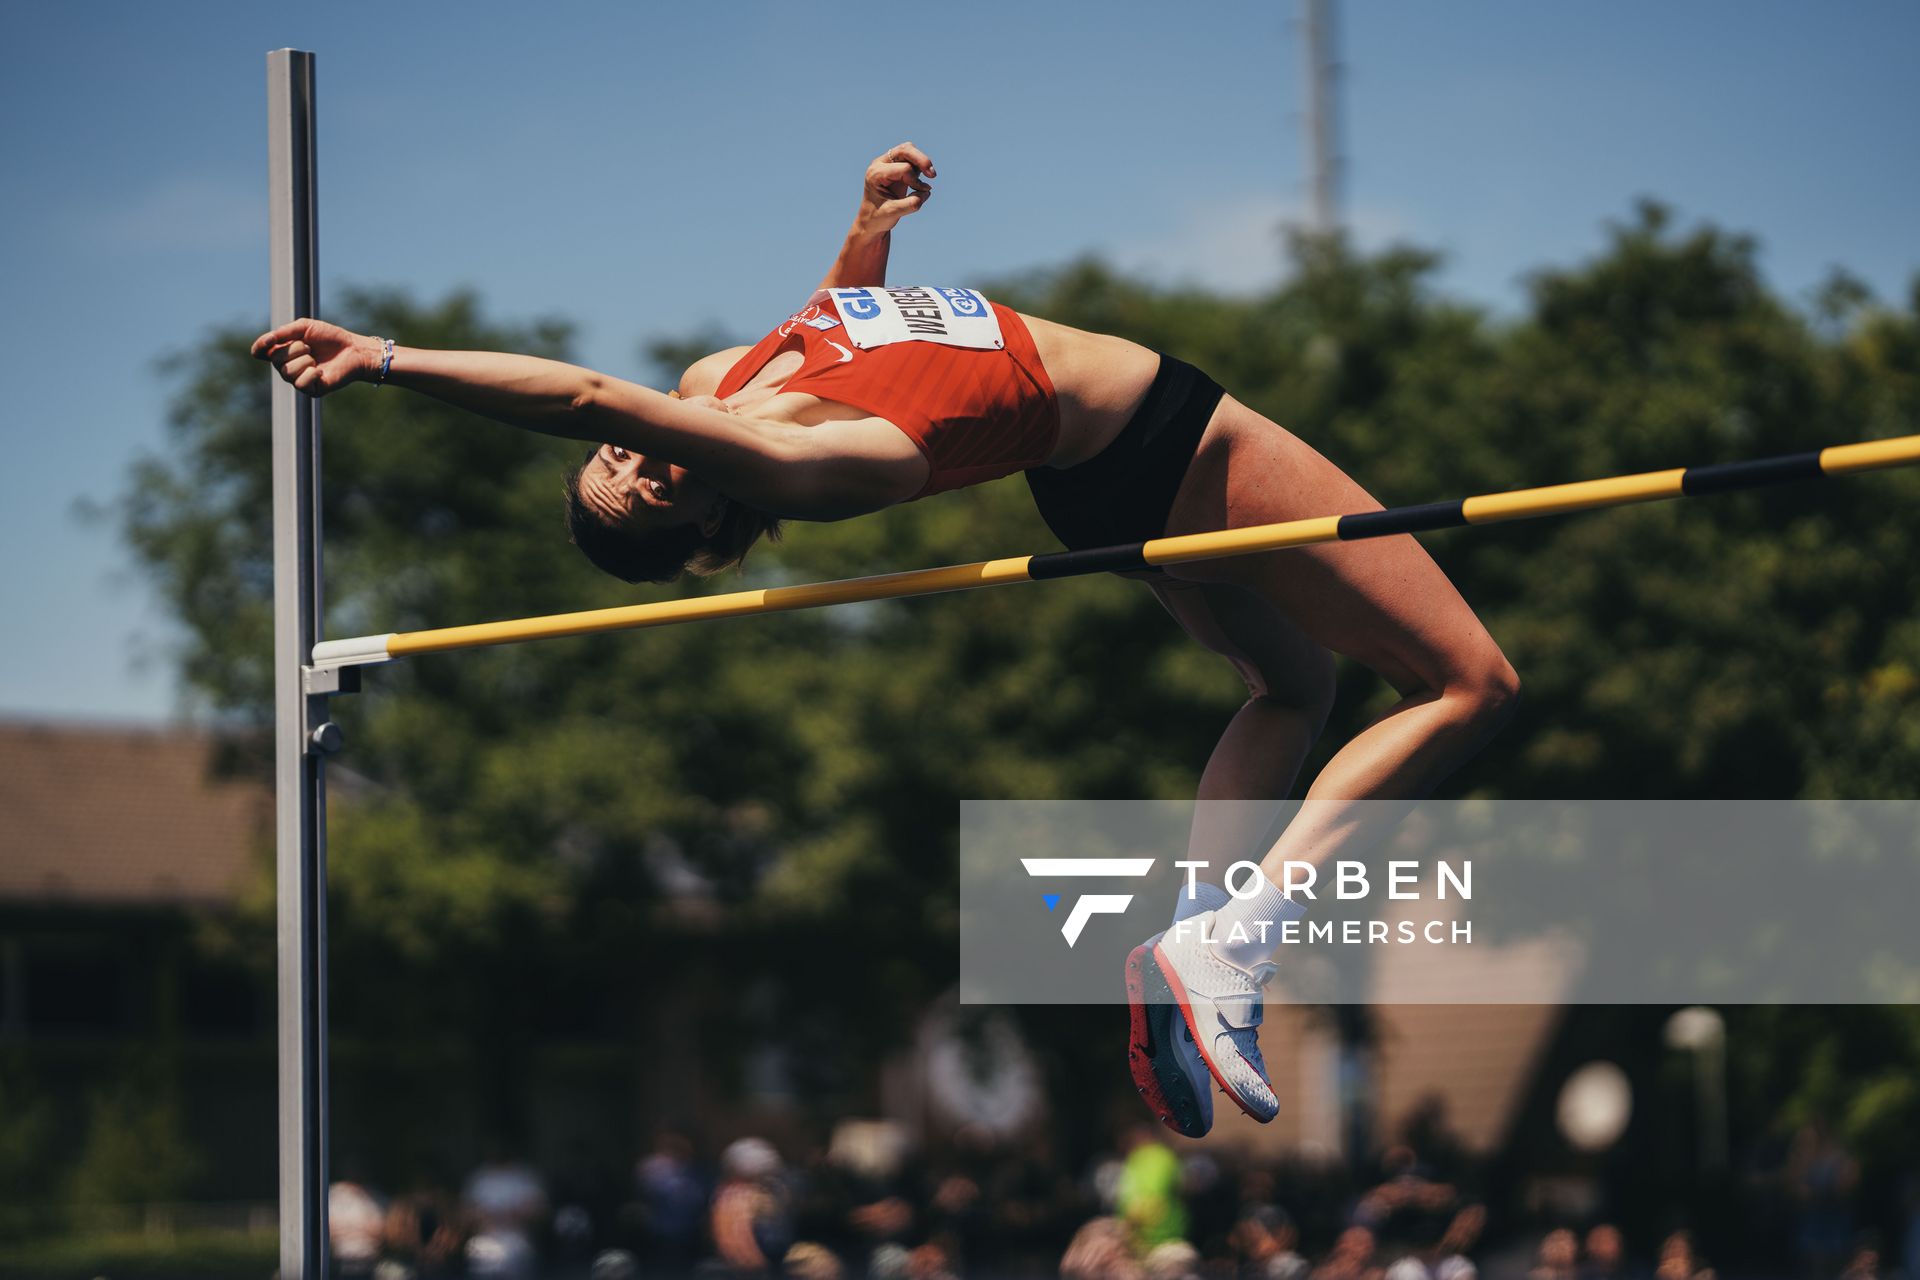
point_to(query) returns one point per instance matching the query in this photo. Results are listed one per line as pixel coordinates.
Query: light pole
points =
(1702, 1032)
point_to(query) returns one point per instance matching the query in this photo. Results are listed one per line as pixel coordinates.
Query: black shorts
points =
(1125, 492)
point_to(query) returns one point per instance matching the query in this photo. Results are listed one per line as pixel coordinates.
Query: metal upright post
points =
(299, 711)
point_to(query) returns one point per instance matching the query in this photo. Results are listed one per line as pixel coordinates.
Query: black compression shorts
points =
(1125, 492)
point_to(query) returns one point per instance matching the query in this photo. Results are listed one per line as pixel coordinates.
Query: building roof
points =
(101, 815)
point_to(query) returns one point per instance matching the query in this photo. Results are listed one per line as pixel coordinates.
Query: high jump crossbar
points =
(1520, 504)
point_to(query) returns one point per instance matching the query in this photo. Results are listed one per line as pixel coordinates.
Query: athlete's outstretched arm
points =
(828, 472)
(739, 456)
(896, 185)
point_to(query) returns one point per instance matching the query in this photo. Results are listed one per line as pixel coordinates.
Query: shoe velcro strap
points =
(1240, 1011)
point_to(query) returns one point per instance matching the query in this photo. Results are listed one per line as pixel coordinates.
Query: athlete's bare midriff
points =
(1098, 380)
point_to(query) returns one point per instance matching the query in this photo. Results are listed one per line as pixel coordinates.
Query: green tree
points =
(510, 819)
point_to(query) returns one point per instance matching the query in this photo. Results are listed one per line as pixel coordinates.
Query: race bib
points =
(875, 317)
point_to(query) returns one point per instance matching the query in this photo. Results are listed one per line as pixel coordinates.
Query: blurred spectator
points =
(422, 1233)
(999, 1208)
(1172, 1260)
(500, 1254)
(1407, 1205)
(1457, 1242)
(1428, 1131)
(1148, 1195)
(356, 1224)
(505, 1192)
(1678, 1260)
(572, 1235)
(888, 1262)
(1864, 1265)
(930, 1262)
(883, 1219)
(865, 1185)
(1263, 1243)
(956, 1204)
(751, 1221)
(614, 1264)
(1820, 1178)
(1557, 1258)
(809, 1261)
(673, 1198)
(1211, 1196)
(1100, 1250)
(1028, 1201)
(1104, 1180)
(1605, 1255)
(1351, 1258)
(506, 1199)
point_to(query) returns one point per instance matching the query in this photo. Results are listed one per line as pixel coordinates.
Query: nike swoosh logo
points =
(845, 355)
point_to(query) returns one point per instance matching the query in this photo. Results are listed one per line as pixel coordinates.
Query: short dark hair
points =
(662, 555)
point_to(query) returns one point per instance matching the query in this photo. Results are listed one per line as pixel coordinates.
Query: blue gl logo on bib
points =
(855, 304)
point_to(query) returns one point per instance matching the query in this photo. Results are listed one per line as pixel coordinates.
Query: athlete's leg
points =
(1384, 603)
(1290, 687)
(1289, 681)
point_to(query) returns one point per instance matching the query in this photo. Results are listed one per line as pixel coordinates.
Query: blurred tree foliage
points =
(1847, 1069)
(137, 1147)
(518, 814)
(26, 1130)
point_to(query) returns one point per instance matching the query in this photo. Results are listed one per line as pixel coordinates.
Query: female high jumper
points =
(869, 396)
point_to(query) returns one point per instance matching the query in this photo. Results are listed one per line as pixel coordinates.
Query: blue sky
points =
(643, 168)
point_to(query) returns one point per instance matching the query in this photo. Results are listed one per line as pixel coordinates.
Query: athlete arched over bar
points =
(867, 397)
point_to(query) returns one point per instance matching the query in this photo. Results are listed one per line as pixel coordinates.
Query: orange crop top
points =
(976, 415)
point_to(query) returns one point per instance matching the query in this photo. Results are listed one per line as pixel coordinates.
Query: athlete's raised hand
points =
(898, 183)
(317, 357)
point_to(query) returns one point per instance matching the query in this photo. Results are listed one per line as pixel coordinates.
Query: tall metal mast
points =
(1322, 115)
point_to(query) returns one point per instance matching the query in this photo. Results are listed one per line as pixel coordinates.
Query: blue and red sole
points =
(1155, 1021)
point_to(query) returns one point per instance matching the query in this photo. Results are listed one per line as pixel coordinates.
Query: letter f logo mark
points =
(1088, 905)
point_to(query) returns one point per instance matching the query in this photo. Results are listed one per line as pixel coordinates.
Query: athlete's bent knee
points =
(1310, 716)
(1305, 690)
(1490, 693)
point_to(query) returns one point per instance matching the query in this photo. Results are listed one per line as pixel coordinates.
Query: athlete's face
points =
(637, 492)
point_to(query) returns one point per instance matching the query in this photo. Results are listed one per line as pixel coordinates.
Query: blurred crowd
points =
(867, 1206)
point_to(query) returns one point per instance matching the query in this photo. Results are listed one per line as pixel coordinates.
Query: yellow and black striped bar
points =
(1521, 504)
